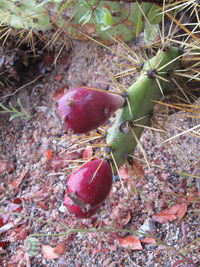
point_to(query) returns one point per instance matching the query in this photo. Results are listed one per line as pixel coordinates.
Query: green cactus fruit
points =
(123, 136)
(119, 20)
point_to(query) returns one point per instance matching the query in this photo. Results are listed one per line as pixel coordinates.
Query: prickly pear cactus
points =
(123, 136)
(125, 20)
(24, 15)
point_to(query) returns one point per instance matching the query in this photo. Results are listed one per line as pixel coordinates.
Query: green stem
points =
(33, 218)
(103, 230)
(153, 81)
(91, 230)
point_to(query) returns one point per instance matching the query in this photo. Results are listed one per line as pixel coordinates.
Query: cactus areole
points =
(84, 109)
(88, 187)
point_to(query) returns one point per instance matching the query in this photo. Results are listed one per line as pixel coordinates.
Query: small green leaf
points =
(103, 18)
(150, 32)
(139, 22)
(15, 113)
(155, 15)
(92, 2)
(4, 108)
(20, 104)
(13, 109)
(47, 1)
(99, 15)
(86, 17)
(83, 3)
(64, 6)
(108, 16)
(14, 116)
(104, 28)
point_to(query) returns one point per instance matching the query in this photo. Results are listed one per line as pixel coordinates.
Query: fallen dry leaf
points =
(48, 58)
(182, 211)
(125, 220)
(176, 211)
(59, 78)
(148, 240)
(49, 154)
(41, 195)
(62, 160)
(163, 218)
(60, 249)
(49, 252)
(124, 172)
(3, 219)
(21, 232)
(59, 92)
(3, 244)
(43, 205)
(88, 152)
(5, 165)
(17, 182)
(173, 209)
(130, 242)
(16, 205)
(138, 170)
(18, 201)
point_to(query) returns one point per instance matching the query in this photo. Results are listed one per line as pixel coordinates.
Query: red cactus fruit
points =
(88, 187)
(84, 109)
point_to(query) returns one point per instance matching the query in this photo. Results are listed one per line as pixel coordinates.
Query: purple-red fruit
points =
(84, 109)
(88, 187)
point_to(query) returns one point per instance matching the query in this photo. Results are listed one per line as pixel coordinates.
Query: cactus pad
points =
(123, 136)
(127, 18)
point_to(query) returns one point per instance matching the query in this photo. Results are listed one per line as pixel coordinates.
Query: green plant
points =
(22, 112)
(123, 137)
(103, 20)
(32, 246)
(158, 77)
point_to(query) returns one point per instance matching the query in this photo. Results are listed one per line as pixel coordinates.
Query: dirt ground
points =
(36, 156)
